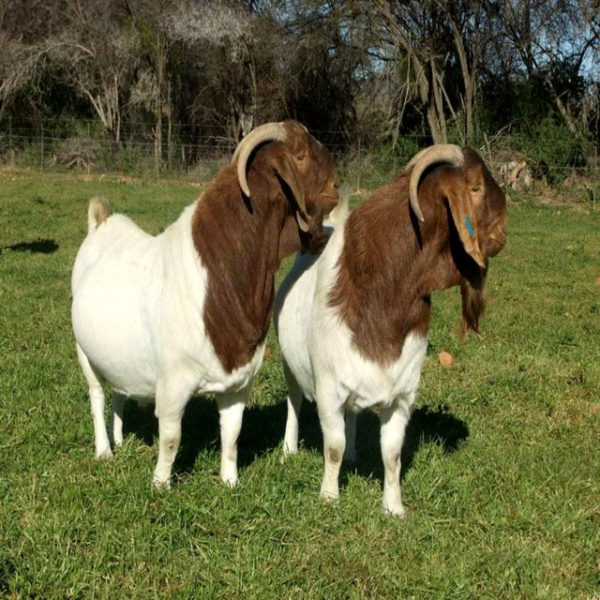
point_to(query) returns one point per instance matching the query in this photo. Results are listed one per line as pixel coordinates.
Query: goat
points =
(187, 312)
(352, 323)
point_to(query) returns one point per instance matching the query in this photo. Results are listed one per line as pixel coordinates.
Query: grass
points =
(501, 470)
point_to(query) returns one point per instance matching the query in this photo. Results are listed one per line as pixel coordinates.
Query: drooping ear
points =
(285, 167)
(464, 195)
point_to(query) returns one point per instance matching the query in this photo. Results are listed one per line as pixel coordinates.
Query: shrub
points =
(551, 149)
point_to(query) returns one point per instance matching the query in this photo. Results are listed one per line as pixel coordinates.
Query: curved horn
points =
(448, 153)
(263, 133)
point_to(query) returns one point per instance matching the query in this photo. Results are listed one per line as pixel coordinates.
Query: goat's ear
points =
(464, 195)
(286, 169)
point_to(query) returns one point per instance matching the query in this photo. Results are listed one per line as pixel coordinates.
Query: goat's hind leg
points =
(117, 406)
(96, 404)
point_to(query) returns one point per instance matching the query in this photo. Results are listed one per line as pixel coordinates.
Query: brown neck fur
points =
(239, 245)
(390, 265)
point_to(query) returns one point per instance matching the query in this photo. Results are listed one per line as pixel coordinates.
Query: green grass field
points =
(501, 471)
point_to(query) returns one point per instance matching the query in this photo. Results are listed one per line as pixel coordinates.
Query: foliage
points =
(346, 69)
(553, 151)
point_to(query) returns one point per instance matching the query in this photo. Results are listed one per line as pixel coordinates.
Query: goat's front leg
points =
(231, 410)
(393, 426)
(294, 404)
(171, 398)
(331, 416)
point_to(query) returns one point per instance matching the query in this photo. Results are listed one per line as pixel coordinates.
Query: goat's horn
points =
(440, 153)
(263, 133)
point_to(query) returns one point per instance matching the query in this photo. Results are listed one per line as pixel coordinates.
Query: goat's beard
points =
(473, 294)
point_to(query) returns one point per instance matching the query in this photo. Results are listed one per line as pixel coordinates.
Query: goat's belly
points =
(213, 378)
(120, 360)
(367, 384)
(109, 329)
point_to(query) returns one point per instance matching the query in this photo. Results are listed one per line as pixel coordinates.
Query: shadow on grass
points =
(426, 426)
(263, 428)
(38, 246)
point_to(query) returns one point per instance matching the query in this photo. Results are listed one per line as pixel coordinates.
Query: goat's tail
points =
(98, 212)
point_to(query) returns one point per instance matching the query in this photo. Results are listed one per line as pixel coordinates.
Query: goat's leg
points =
(393, 426)
(350, 452)
(231, 410)
(171, 398)
(331, 416)
(294, 404)
(117, 406)
(96, 404)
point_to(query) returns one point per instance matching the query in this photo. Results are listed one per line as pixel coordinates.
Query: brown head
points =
(304, 169)
(467, 210)
(433, 228)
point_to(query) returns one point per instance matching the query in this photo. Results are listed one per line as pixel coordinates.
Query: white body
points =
(138, 304)
(322, 364)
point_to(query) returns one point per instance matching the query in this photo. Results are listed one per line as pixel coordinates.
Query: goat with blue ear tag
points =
(353, 323)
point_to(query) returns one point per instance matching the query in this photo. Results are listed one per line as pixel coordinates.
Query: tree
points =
(96, 48)
(553, 38)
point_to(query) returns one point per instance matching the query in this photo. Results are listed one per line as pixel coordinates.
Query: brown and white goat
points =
(353, 323)
(186, 312)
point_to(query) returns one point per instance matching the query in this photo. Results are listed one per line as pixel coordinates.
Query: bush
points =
(78, 152)
(551, 149)
(374, 167)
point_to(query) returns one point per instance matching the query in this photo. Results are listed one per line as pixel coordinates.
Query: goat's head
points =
(306, 173)
(464, 212)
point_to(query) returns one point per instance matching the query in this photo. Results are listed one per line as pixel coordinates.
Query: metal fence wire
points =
(80, 145)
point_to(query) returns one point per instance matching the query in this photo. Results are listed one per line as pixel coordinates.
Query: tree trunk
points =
(435, 109)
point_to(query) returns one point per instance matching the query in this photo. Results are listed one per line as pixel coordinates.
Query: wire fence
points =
(81, 145)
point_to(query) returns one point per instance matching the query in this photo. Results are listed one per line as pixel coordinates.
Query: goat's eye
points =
(476, 189)
(336, 185)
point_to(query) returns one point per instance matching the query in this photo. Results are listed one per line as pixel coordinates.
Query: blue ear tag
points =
(469, 226)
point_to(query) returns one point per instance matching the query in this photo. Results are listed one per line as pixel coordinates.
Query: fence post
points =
(41, 145)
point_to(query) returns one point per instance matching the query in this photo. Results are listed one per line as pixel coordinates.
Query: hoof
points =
(230, 481)
(289, 450)
(329, 497)
(104, 454)
(161, 484)
(395, 511)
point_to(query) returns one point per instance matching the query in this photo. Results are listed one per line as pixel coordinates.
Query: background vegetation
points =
(136, 85)
(500, 467)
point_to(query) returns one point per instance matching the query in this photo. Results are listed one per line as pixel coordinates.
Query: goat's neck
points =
(385, 278)
(239, 247)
